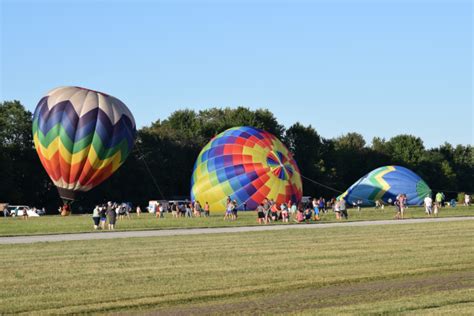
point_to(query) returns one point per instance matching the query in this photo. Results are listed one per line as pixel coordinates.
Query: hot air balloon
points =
(82, 137)
(248, 165)
(385, 183)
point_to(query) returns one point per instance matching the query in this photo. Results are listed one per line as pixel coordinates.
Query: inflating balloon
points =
(385, 183)
(248, 165)
(82, 137)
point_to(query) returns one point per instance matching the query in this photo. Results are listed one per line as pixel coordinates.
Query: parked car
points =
(17, 210)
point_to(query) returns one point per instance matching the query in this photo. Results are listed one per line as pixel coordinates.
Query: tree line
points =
(161, 164)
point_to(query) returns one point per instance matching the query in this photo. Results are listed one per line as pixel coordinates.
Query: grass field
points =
(415, 269)
(83, 223)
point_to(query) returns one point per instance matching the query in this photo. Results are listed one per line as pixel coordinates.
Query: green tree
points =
(349, 159)
(23, 179)
(15, 125)
(406, 149)
(305, 144)
(353, 142)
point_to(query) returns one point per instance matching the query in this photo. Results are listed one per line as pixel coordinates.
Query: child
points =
(284, 213)
(299, 216)
(316, 213)
(229, 211)
(337, 210)
(274, 210)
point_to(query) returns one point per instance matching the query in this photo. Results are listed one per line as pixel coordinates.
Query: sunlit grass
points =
(377, 269)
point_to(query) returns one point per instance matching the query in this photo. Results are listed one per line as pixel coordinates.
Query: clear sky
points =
(379, 68)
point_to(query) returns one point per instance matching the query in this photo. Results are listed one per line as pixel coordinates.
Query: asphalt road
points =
(198, 231)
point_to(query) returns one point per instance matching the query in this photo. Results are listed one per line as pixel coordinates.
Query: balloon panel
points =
(82, 136)
(386, 183)
(247, 164)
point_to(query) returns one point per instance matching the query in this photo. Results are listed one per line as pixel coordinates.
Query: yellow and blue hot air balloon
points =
(248, 165)
(385, 183)
(82, 137)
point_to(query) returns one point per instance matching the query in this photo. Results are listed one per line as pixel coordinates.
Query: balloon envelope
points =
(247, 164)
(386, 183)
(81, 137)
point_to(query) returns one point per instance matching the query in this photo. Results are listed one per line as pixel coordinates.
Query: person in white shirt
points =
(467, 199)
(428, 204)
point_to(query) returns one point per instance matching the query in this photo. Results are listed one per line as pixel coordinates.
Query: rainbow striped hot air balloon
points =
(82, 137)
(386, 183)
(247, 164)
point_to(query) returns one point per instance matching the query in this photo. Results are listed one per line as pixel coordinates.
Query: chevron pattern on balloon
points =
(82, 136)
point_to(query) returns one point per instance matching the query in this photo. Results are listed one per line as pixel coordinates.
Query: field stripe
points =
(199, 231)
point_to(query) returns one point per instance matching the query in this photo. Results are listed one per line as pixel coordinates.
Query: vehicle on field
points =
(17, 210)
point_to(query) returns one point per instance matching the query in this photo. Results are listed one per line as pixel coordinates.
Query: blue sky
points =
(379, 68)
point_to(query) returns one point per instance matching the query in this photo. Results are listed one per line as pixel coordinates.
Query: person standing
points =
(397, 206)
(174, 210)
(96, 217)
(189, 207)
(322, 205)
(103, 216)
(139, 210)
(181, 210)
(197, 209)
(25, 213)
(274, 211)
(439, 199)
(157, 210)
(229, 210)
(161, 210)
(343, 208)
(316, 213)
(266, 207)
(207, 209)
(403, 204)
(428, 201)
(337, 210)
(467, 199)
(112, 215)
(315, 204)
(284, 213)
(234, 210)
(260, 214)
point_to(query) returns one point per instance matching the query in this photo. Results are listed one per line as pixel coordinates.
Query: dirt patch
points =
(330, 296)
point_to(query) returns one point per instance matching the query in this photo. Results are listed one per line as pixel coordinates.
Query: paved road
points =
(198, 231)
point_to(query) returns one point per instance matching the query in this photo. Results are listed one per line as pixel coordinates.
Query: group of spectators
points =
(269, 211)
(433, 207)
(109, 213)
(180, 209)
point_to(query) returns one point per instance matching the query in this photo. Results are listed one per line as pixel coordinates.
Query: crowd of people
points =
(267, 212)
(432, 207)
(270, 211)
(185, 209)
(109, 213)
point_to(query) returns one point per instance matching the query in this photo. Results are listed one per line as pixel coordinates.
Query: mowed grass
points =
(83, 223)
(417, 269)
